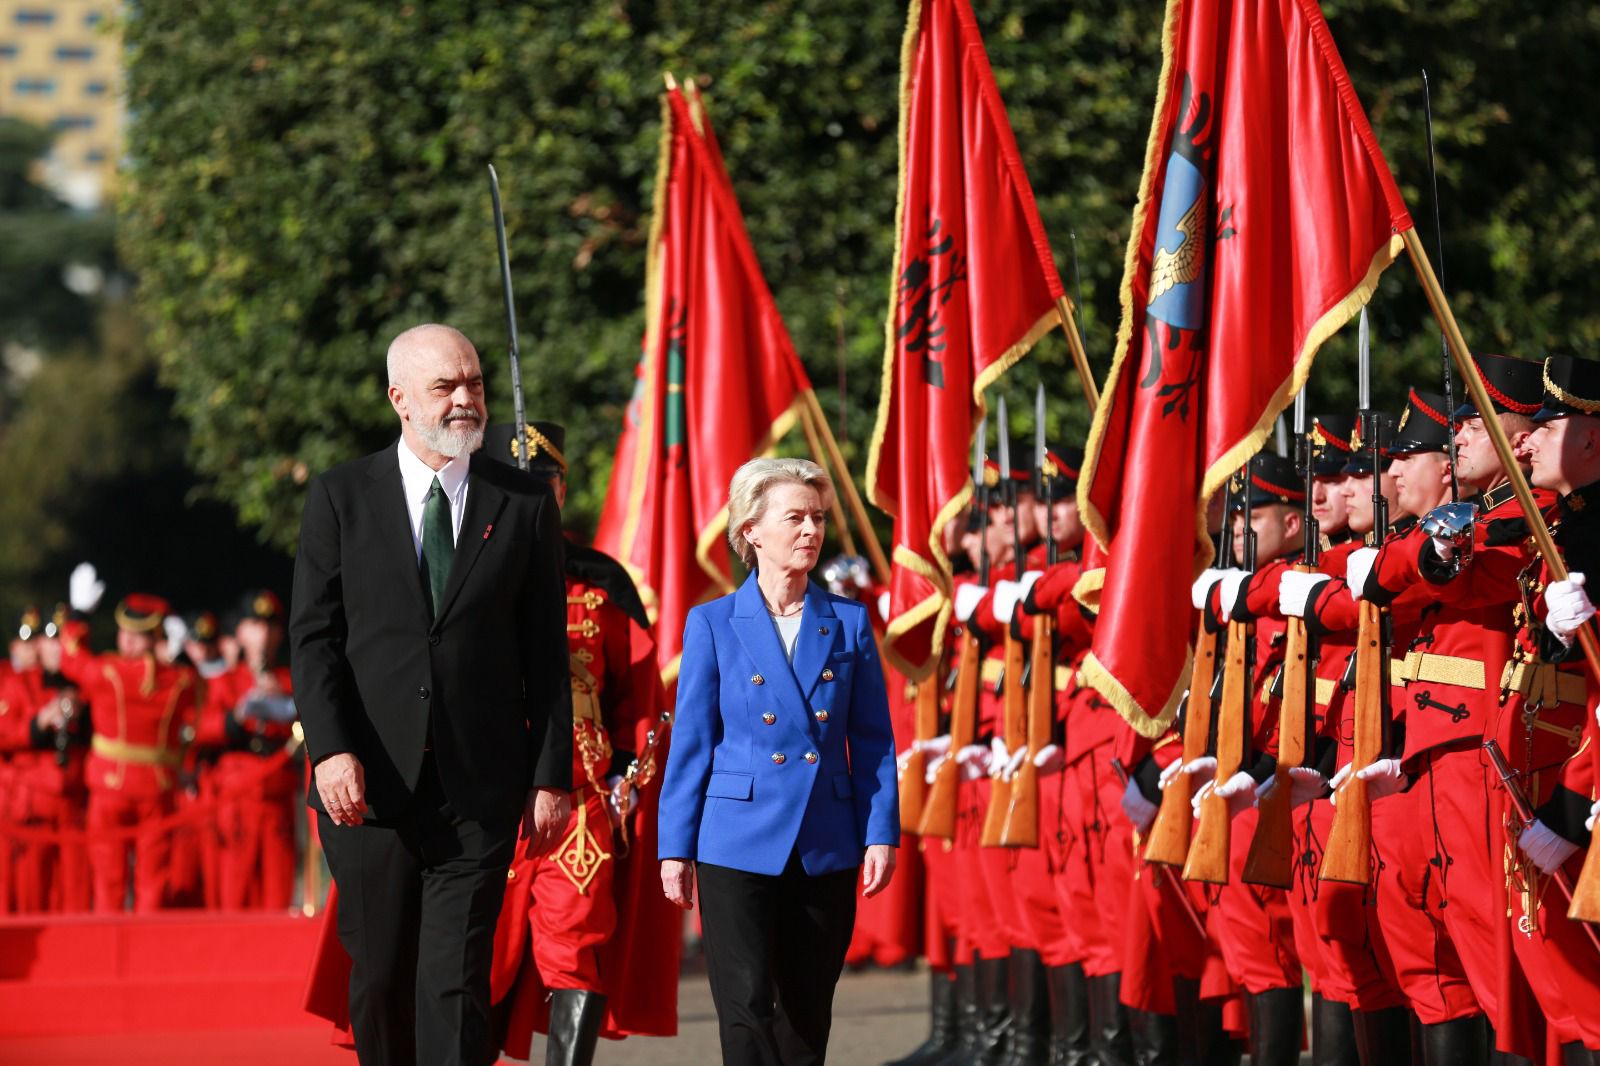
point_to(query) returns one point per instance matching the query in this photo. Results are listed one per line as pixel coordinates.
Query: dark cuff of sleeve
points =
(1265, 766)
(1148, 777)
(1565, 812)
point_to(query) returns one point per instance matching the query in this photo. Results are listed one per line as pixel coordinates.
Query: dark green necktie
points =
(438, 545)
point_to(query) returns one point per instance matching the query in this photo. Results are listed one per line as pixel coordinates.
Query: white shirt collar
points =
(418, 476)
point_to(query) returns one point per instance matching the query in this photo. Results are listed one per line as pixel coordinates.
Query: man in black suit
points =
(430, 670)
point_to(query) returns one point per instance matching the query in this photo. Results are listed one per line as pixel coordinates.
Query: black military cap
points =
(30, 624)
(1515, 386)
(1360, 462)
(1275, 479)
(1059, 475)
(260, 604)
(546, 443)
(1424, 425)
(202, 625)
(1330, 437)
(1021, 476)
(1571, 387)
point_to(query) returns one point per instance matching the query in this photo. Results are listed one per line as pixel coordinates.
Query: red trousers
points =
(1252, 923)
(1094, 865)
(569, 922)
(941, 902)
(44, 877)
(1033, 881)
(255, 823)
(983, 902)
(109, 859)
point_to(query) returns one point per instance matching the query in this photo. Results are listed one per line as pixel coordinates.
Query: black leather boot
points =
(993, 1032)
(1333, 1033)
(1030, 1011)
(1155, 1038)
(1108, 1022)
(966, 1014)
(575, 1018)
(1383, 1036)
(1277, 1026)
(1069, 1016)
(1462, 1042)
(941, 1027)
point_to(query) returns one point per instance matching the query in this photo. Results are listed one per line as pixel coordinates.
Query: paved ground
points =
(877, 1016)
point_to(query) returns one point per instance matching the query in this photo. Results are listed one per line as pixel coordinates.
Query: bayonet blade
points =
(1039, 446)
(1364, 363)
(1003, 428)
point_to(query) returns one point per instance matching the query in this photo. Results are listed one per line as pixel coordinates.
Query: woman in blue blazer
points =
(781, 779)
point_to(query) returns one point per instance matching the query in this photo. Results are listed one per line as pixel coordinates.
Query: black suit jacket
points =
(371, 667)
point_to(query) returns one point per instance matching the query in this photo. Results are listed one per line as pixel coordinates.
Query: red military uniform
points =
(45, 793)
(139, 708)
(256, 786)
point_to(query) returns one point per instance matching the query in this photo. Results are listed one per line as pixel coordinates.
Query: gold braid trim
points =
(1588, 407)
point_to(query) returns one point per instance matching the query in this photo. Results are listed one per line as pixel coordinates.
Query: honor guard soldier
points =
(253, 704)
(567, 899)
(139, 708)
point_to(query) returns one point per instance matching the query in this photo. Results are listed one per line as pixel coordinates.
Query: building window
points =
(74, 52)
(95, 88)
(8, 51)
(72, 122)
(92, 19)
(94, 155)
(35, 86)
(34, 17)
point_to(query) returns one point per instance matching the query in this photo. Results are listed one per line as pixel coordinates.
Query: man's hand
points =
(677, 882)
(342, 787)
(544, 816)
(877, 869)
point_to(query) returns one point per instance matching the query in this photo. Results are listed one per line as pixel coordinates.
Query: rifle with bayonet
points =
(939, 809)
(1022, 817)
(1208, 851)
(1272, 855)
(1347, 856)
(1014, 701)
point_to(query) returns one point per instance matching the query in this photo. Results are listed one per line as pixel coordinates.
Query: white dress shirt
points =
(417, 477)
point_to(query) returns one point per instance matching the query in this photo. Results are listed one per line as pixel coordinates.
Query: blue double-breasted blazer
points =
(768, 759)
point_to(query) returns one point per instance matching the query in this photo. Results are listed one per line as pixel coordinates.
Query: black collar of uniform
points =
(1580, 502)
(1495, 497)
(1343, 536)
(596, 568)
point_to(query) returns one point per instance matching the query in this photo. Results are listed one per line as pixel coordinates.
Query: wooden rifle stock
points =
(1168, 840)
(914, 775)
(1014, 727)
(1348, 854)
(1208, 851)
(1022, 817)
(939, 809)
(1271, 858)
(1586, 893)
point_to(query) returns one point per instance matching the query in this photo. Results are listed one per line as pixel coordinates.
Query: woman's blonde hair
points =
(747, 495)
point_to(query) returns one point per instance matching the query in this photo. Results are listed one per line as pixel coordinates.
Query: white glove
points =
(1049, 759)
(1567, 607)
(1228, 594)
(1200, 591)
(1357, 568)
(1444, 549)
(621, 800)
(1140, 811)
(1544, 847)
(1383, 777)
(1007, 594)
(1240, 792)
(974, 761)
(1305, 785)
(1594, 813)
(84, 588)
(1168, 772)
(999, 757)
(933, 746)
(883, 605)
(1296, 591)
(174, 629)
(1014, 763)
(1202, 769)
(967, 599)
(933, 768)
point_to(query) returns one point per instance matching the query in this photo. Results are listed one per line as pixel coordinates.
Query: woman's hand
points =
(876, 869)
(677, 881)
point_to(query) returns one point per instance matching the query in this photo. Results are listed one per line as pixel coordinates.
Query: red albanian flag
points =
(1265, 215)
(718, 384)
(973, 287)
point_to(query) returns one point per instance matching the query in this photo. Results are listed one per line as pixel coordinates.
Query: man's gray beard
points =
(451, 442)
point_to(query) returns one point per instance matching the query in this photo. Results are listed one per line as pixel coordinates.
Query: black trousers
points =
(774, 948)
(419, 896)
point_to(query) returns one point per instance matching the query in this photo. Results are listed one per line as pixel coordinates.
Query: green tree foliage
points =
(309, 179)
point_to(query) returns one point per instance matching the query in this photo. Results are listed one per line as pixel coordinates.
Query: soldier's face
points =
(24, 656)
(1028, 524)
(1357, 491)
(1477, 463)
(1065, 524)
(1328, 504)
(1564, 453)
(49, 649)
(1277, 527)
(131, 645)
(1422, 481)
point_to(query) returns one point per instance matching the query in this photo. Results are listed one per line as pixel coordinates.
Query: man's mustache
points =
(460, 414)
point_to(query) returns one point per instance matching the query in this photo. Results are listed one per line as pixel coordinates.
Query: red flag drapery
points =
(973, 287)
(1265, 216)
(718, 383)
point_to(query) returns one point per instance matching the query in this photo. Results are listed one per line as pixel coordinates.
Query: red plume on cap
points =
(140, 612)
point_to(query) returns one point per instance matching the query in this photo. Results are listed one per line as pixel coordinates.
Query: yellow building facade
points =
(61, 67)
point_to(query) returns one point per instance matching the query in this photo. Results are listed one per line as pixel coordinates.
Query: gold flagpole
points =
(1586, 898)
(1080, 358)
(858, 510)
(807, 425)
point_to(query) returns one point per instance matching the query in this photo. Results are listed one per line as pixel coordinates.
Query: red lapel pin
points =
(486, 530)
